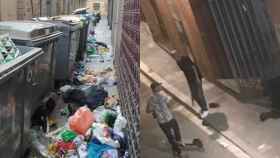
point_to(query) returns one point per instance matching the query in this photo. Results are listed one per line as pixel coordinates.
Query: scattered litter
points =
(8, 50)
(93, 125)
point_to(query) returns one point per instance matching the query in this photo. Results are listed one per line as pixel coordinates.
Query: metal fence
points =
(126, 40)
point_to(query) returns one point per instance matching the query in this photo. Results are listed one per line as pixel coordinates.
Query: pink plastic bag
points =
(81, 121)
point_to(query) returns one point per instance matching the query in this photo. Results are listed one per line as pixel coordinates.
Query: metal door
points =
(248, 38)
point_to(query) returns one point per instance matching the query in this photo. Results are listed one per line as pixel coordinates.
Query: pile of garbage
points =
(97, 134)
(8, 50)
(88, 116)
(95, 48)
(87, 76)
(95, 127)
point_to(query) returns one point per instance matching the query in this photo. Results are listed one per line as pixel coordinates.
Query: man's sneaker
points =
(204, 114)
(214, 105)
(198, 143)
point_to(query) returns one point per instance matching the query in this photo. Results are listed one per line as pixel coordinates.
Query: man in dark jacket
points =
(194, 79)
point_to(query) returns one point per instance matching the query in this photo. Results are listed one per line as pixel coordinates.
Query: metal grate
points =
(248, 37)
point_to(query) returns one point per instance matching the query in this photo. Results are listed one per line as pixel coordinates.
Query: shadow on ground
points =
(218, 121)
(273, 114)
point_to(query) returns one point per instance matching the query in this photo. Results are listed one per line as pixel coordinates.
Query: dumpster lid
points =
(69, 18)
(42, 18)
(27, 54)
(80, 11)
(56, 21)
(27, 30)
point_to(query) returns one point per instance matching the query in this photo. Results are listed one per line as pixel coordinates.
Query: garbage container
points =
(83, 34)
(36, 34)
(80, 11)
(67, 48)
(13, 90)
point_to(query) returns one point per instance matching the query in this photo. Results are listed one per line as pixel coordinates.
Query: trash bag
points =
(122, 139)
(38, 143)
(98, 113)
(102, 133)
(68, 135)
(75, 96)
(8, 50)
(65, 88)
(65, 146)
(95, 96)
(81, 121)
(82, 150)
(91, 51)
(97, 150)
(112, 153)
(110, 118)
(120, 123)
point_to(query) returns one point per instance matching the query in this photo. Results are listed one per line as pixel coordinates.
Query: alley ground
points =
(235, 120)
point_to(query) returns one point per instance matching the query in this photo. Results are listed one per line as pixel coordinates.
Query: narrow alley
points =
(63, 93)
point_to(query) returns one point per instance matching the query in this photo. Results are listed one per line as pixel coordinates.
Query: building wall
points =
(175, 21)
(214, 49)
(153, 19)
(26, 9)
(103, 6)
(8, 9)
(126, 42)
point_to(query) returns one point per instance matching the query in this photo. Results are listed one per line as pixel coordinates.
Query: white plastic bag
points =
(120, 123)
(98, 132)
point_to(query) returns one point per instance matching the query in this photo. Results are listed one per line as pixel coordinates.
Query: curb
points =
(232, 143)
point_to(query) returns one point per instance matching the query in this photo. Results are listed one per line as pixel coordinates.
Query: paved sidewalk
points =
(236, 120)
(153, 141)
(103, 34)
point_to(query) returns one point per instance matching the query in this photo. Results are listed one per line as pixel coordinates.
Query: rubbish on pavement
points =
(110, 117)
(93, 125)
(68, 135)
(97, 150)
(120, 124)
(8, 50)
(81, 121)
(102, 133)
